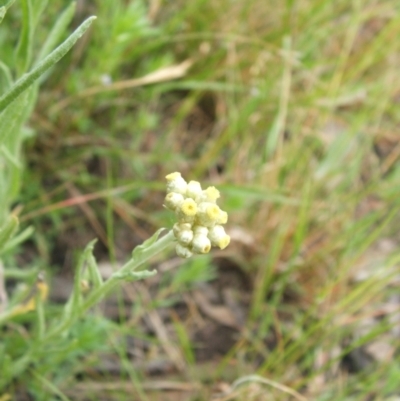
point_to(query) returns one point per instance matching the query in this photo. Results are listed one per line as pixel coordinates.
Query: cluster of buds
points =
(200, 219)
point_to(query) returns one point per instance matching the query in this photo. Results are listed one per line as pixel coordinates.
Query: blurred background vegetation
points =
(290, 108)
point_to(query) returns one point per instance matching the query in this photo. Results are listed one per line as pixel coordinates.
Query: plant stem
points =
(100, 292)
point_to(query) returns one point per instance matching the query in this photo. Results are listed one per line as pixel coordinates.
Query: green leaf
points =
(20, 365)
(57, 31)
(94, 272)
(5, 365)
(38, 7)
(11, 119)
(8, 230)
(8, 4)
(28, 79)
(4, 8)
(11, 137)
(2, 13)
(141, 254)
(23, 52)
(18, 239)
(141, 249)
(9, 157)
(73, 304)
(273, 136)
(135, 276)
(6, 80)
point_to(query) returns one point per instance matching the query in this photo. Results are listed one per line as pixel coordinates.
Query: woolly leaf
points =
(28, 79)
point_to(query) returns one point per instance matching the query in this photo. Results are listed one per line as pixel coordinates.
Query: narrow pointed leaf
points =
(4, 8)
(140, 249)
(13, 242)
(6, 75)
(2, 13)
(28, 79)
(134, 276)
(72, 306)
(57, 31)
(24, 47)
(8, 230)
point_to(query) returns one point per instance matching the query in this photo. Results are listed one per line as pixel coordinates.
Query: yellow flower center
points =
(213, 212)
(189, 207)
(212, 193)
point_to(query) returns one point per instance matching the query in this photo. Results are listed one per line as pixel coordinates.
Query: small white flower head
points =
(224, 242)
(222, 218)
(194, 190)
(176, 183)
(178, 227)
(200, 230)
(173, 201)
(201, 244)
(208, 214)
(218, 237)
(211, 194)
(199, 217)
(188, 208)
(185, 237)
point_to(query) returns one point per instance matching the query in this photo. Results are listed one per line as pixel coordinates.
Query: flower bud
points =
(178, 227)
(194, 190)
(188, 207)
(224, 242)
(176, 183)
(201, 244)
(183, 251)
(185, 237)
(222, 218)
(208, 214)
(173, 201)
(211, 194)
(218, 237)
(200, 230)
(186, 219)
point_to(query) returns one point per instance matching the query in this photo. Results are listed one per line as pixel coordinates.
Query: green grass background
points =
(291, 108)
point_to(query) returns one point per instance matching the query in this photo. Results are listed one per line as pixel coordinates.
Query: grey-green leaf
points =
(4, 8)
(6, 77)
(2, 13)
(8, 230)
(140, 249)
(28, 79)
(134, 276)
(18, 239)
(23, 53)
(72, 306)
(8, 4)
(57, 31)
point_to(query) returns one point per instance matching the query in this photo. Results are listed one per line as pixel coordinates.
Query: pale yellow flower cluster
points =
(200, 219)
